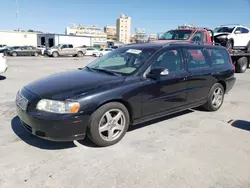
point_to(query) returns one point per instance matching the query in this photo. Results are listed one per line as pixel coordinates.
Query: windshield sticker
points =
(134, 51)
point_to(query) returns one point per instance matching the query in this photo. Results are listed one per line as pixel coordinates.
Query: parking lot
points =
(190, 149)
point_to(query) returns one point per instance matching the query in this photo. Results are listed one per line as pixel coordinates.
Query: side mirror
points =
(156, 73)
(237, 32)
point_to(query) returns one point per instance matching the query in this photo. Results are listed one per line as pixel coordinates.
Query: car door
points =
(168, 92)
(200, 77)
(245, 36)
(70, 50)
(64, 49)
(237, 37)
(22, 51)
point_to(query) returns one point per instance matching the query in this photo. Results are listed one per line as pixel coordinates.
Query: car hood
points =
(65, 85)
(166, 41)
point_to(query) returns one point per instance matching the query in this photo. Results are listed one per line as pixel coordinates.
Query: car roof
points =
(169, 44)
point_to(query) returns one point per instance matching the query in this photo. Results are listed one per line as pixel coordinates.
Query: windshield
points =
(124, 60)
(224, 29)
(176, 35)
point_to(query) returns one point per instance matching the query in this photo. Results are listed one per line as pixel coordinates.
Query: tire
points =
(248, 47)
(229, 45)
(100, 137)
(79, 54)
(14, 54)
(209, 105)
(100, 55)
(55, 54)
(36, 54)
(241, 65)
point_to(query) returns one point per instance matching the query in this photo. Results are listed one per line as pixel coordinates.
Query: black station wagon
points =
(130, 85)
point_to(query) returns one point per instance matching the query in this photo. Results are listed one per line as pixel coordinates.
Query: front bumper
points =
(49, 126)
(3, 67)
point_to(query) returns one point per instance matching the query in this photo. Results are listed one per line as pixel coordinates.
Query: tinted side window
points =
(244, 30)
(170, 60)
(64, 46)
(70, 46)
(195, 59)
(219, 56)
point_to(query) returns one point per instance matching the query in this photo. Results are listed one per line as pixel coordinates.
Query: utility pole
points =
(17, 14)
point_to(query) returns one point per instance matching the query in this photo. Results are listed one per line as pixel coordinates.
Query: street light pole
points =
(17, 13)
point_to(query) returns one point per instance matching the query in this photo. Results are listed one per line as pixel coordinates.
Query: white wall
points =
(15, 38)
(75, 40)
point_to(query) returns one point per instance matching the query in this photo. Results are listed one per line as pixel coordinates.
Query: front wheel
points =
(109, 124)
(79, 54)
(215, 98)
(14, 54)
(229, 45)
(100, 55)
(36, 54)
(55, 54)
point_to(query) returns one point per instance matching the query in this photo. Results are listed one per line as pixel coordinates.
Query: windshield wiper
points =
(105, 71)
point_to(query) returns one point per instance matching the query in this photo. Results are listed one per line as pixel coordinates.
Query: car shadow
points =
(151, 122)
(241, 124)
(2, 77)
(36, 141)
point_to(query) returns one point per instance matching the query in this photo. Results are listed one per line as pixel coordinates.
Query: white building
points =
(123, 29)
(97, 35)
(18, 38)
(55, 39)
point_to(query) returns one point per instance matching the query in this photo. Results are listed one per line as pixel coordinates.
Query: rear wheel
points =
(14, 54)
(36, 54)
(215, 98)
(79, 54)
(108, 124)
(241, 65)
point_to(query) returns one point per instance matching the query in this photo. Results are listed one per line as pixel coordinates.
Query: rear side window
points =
(70, 46)
(195, 59)
(219, 56)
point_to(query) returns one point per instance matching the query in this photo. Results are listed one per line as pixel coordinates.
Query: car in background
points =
(233, 37)
(102, 52)
(42, 48)
(2, 46)
(3, 63)
(90, 51)
(23, 51)
(130, 85)
(65, 50)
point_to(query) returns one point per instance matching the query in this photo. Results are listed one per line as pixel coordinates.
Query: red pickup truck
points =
(204, 36)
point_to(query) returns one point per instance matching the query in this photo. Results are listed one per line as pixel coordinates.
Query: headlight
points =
(60, 107)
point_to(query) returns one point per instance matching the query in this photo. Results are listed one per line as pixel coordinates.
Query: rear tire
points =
(241, 65)
(35, 54)
(55, 54)
(102, 130)
(215, 98)
(79, 54)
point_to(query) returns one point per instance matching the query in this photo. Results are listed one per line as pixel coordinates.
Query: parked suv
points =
(127, 86)
(233, 36)
(65, 50)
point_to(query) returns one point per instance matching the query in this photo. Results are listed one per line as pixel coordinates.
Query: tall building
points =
(111, 32)
(123, 28)
(97, 34)
(140, 35)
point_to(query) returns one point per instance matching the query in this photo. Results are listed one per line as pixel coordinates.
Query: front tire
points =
(248, 47)
(215, 98)
(230, 45)
(241, 65)
(108, 124)
(14, 54)
(36, 54)
(55, 54)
